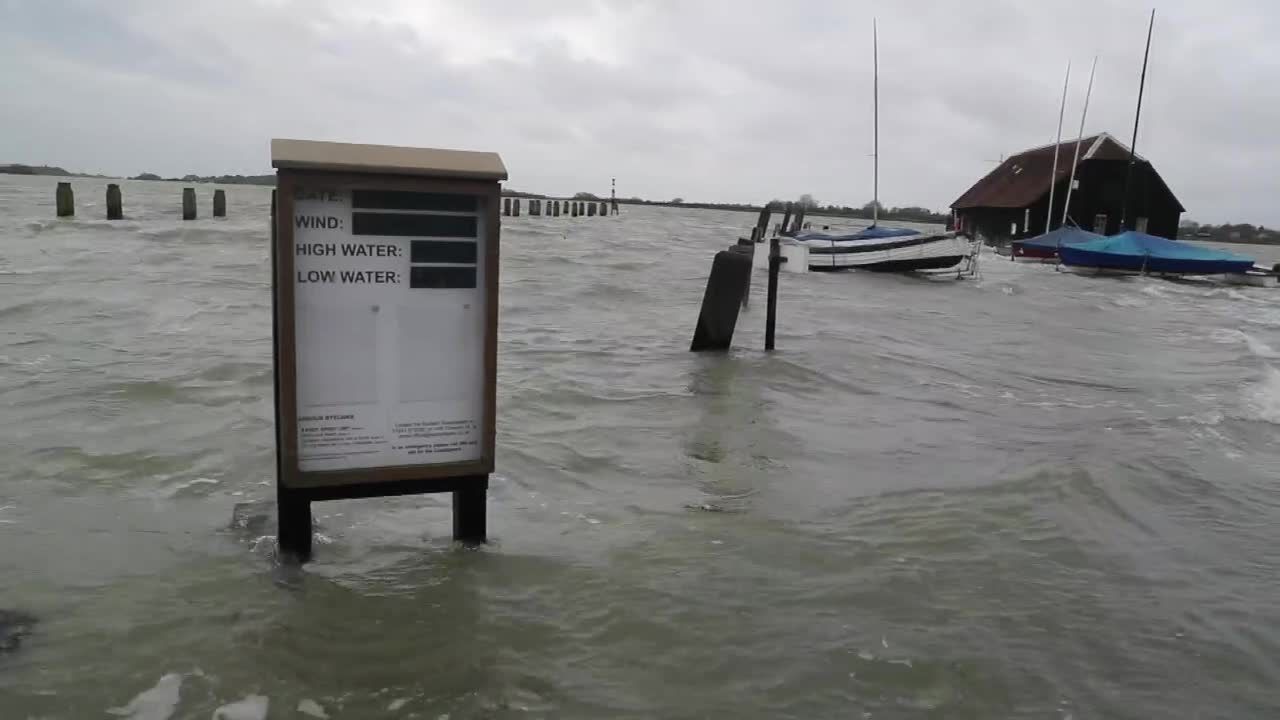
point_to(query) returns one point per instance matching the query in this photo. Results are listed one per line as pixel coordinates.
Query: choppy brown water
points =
(1032, 495)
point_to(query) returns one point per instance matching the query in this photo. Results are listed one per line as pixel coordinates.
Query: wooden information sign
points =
(385, 287)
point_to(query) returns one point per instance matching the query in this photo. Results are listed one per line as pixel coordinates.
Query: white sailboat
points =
(880, 248)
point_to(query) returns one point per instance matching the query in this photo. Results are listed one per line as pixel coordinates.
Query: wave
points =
(1262, 399)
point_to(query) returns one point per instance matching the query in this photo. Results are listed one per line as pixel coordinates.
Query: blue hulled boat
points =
(1139, 252)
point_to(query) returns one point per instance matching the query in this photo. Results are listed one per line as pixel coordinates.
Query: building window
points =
(1100, 223)
(1141, 225)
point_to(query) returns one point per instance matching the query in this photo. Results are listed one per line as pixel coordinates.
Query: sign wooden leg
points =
(469, 514)
(294, 520)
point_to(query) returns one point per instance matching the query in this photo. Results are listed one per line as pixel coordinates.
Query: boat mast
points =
(1133, 146)
(1053, 177)
(875, 103)
(1076, 160)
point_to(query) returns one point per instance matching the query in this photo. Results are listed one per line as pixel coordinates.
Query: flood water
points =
(1032, 494)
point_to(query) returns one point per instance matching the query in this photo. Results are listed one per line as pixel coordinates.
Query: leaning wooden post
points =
(115, 203)
(771, 310)
(188, 203)
(762, 223)
(219, 203)
(730, 275)
(786, 220)
(65, 200)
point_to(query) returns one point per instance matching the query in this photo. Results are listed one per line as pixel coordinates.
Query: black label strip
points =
(394, 225)
(442, 251)
(404, 200)
(442, 277)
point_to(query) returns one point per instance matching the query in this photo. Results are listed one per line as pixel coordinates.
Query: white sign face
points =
(389, 319)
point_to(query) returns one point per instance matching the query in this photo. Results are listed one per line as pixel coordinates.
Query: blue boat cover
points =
(870, 233)
(1062, 236)
(1139, 251)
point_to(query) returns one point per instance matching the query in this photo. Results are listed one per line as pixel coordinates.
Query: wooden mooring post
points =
(219, 203)
(757, 236)
(718, 316)
(65, 199)
(555, 208)
(188, 203)
(591, 209)
(771, 302)
(786, 220)
(604, 209)
(506, 206)
(115, 203)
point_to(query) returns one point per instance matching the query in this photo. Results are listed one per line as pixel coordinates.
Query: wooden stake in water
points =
(771, 302)
(65, 199)
(188, 203)
(219, 203)
(115, 203)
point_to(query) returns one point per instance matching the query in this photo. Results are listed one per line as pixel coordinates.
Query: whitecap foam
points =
(252, 707)
(156, 703)
(1130, 301)
(306, 706)
(1259, 348)
(1262, 399)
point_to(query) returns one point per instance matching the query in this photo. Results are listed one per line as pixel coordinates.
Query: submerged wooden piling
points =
(515, 207)
(591, 209)
(188, 203)
(115, 203)
(219, 203)
(555, 208)
(604, 209)
(65, 199)
(506, 206)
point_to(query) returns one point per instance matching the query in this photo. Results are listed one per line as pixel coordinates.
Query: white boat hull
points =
(896, 254)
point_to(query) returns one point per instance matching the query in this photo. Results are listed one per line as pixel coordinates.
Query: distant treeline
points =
(1228, 233)
(19, 169)
(813, 208)
(218, 179)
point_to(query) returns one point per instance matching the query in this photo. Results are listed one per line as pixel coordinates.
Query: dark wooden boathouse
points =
(1011, 201)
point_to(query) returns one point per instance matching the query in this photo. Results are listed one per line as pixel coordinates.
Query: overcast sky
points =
(718, 101)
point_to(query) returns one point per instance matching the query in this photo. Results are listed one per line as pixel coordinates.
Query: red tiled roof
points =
(1021, 179)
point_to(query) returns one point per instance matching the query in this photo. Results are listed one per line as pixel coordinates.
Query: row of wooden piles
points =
(553, 208)
(65, 201)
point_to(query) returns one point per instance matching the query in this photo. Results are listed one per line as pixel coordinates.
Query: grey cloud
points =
(714, 100)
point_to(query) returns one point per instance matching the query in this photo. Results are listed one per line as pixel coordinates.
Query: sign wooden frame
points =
(388, 480)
